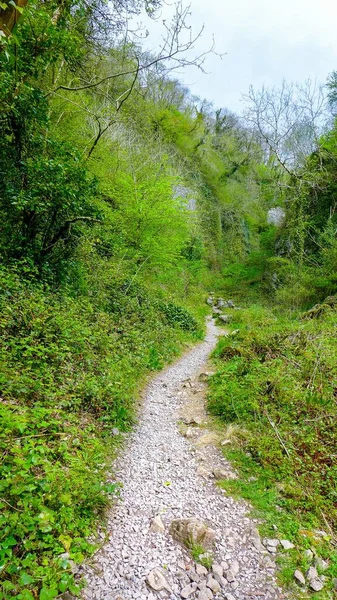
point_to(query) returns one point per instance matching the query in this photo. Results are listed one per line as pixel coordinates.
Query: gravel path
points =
(160, 474)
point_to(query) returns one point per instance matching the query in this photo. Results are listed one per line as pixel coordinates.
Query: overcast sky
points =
(265, 41)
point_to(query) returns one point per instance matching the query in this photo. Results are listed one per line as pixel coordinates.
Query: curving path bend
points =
(161, 475)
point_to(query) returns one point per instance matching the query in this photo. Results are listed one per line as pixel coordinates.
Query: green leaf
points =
(48, 593)
(26, 579)
(26, 595)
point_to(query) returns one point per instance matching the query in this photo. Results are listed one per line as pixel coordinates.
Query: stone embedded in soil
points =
(192, 530)
(286, 545)
(316, 584)
(299, 577)
(272, 543)
(321, 564)
(312, 573)
(221, 473)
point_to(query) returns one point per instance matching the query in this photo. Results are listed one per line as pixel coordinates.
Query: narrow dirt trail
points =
(161, 475)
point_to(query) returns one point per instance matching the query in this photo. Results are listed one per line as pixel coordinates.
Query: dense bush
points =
(68, 374)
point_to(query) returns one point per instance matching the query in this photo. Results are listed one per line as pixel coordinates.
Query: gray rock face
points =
(286, 545)
(195, 531)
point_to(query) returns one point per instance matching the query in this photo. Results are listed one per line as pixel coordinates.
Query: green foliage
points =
(179, 316)
(276, 381)
(68, 373)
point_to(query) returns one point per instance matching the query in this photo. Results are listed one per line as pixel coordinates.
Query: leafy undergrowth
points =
(276, 389)
(69, 371)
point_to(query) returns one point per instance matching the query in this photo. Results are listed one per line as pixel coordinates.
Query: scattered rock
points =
(213, 585)
(157, 525)
(272, 543)
(205, 595)
(316, 584)
(309, 554)
(115, 431)
(230, 576)
(221, 473)
(286, 545)
(189, 433)
(321, 564)
(225, 318)
(200, 569)
(157, 581)
(193, 576)
(312, 573)
(205, 375)
(204, 472)
(192, 530)
(299, 577)
(217, 569)
(235, 567)
(221, 580)
(193, 420)
(187, 591)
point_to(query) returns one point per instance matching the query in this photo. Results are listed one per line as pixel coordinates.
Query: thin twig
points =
(278, 435)
(13, 507)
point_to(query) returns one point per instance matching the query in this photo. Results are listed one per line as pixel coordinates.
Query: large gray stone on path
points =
(157, 581)
(192, 531)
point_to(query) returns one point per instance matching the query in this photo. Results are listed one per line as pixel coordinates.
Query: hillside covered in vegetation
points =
(123, 201)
